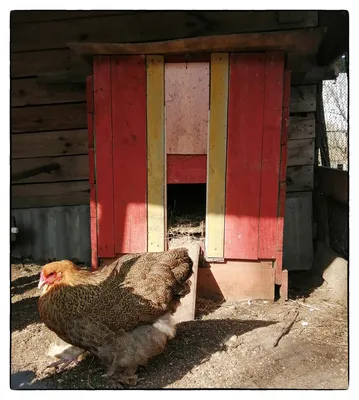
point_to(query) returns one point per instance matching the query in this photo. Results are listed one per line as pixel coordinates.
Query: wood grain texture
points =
(93, 227)
(281, 212)
(216, 156)
(244, 152)
(104, 157)
(303, 99)
(298, 244)
(71, 168)
(333, 183)
(29, 92)
(286, 88)
(89, 94)
(128, 88)
(186, 311)
(278, 268)
(50, 194)
(49, 144)
(271, 155)
(156, 157)
(301, 127)
(21, 16)
(186, 169)
(44, 62)
(300, 178)
(285, 125)
(91, 161)
(283, 163)
(301, 152)
(292, 41)
(48, 118)
(237, 280)
(159, 25)
(187, 105)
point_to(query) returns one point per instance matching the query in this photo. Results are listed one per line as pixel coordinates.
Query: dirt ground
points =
(229, 345)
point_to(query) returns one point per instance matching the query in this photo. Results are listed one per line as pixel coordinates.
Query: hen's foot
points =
(65, 361)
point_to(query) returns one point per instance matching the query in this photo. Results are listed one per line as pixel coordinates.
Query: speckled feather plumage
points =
(112, 311)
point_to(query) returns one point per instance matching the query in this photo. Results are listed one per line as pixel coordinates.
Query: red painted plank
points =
(94, 257)
(245, 116)
(90, 130)
(104, 165)
(285, 125)
(286, 88)
(271, 153)
(89, 94)
(91, 166)
(186, 169)
(93, 227)
(128, 79)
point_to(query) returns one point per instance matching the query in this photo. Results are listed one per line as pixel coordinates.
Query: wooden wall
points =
(48, 109)
(298, 221)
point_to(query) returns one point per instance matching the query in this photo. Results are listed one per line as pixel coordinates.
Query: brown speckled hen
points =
(121, 313)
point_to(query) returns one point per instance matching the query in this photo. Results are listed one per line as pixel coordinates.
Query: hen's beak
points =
(42, 282)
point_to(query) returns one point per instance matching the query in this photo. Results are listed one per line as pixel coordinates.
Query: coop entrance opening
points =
(186, 210)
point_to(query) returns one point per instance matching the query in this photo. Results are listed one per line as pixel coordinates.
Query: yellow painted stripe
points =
(156, 156)
(216, 156)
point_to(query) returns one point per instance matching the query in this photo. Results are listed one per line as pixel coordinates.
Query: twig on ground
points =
(286, 328)
(305, 305)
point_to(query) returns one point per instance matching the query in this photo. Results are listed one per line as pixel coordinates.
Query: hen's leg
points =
(66, 357)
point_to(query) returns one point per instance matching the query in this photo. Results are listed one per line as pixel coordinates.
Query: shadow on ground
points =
(195, 343)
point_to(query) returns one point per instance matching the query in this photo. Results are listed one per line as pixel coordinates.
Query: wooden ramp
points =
(186, 310)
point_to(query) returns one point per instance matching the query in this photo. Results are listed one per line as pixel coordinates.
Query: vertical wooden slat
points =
(216, 156)
(89, 108)
(244, 151)
(271, 153)
(91, 155)
(156, 157)
(104, 164)
(128, 86)
(93, 227)
(279, 274)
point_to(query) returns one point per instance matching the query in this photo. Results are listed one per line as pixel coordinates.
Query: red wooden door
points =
(120, 154)
(253, 155)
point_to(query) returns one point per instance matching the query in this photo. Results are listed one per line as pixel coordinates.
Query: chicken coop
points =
(192, 140)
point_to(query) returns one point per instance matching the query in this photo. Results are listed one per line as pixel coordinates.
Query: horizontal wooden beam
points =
(44, 62)
(33, 172)
(29, 92)
(26, 16)
(69, 168)
(47, 118)
(151, 26)
(186, 169)
(50, 194)
(49, 144)
(305, 41)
